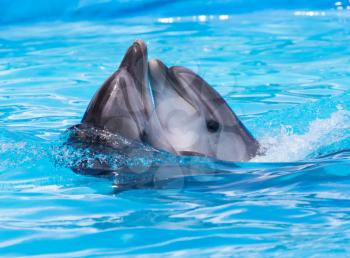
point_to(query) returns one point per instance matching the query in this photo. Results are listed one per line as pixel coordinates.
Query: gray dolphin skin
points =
(171, 109)
(195, 119)
(123, 103)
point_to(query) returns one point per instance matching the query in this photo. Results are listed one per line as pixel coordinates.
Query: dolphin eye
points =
(213, 126)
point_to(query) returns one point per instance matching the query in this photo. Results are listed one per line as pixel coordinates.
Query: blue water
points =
(285, 72)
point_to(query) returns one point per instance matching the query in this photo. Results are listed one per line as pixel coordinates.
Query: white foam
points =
(288, 146)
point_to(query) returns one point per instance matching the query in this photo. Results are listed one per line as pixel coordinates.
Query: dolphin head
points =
(194, 118)
(123, 103)
(171, 109)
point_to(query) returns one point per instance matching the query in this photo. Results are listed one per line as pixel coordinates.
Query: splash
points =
(321, 136)
(19, 150)
(289, 146)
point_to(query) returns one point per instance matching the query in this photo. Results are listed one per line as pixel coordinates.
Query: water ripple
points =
(285, 73)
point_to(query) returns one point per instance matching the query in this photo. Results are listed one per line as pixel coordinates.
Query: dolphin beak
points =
(135, 59)
(141, 44)
(136, 64)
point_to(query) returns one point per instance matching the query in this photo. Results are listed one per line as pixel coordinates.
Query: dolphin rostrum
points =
(123, 103)
(171, 109)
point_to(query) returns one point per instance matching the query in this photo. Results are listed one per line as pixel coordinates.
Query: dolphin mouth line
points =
(151, 94)
(190, 153)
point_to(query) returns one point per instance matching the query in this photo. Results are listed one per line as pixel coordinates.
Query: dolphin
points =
(170, 109)
(123, 103)
(194, 118)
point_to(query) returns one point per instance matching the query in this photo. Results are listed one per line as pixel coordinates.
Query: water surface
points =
(285, 74)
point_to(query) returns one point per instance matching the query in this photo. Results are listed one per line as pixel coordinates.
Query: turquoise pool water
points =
(284, 72)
